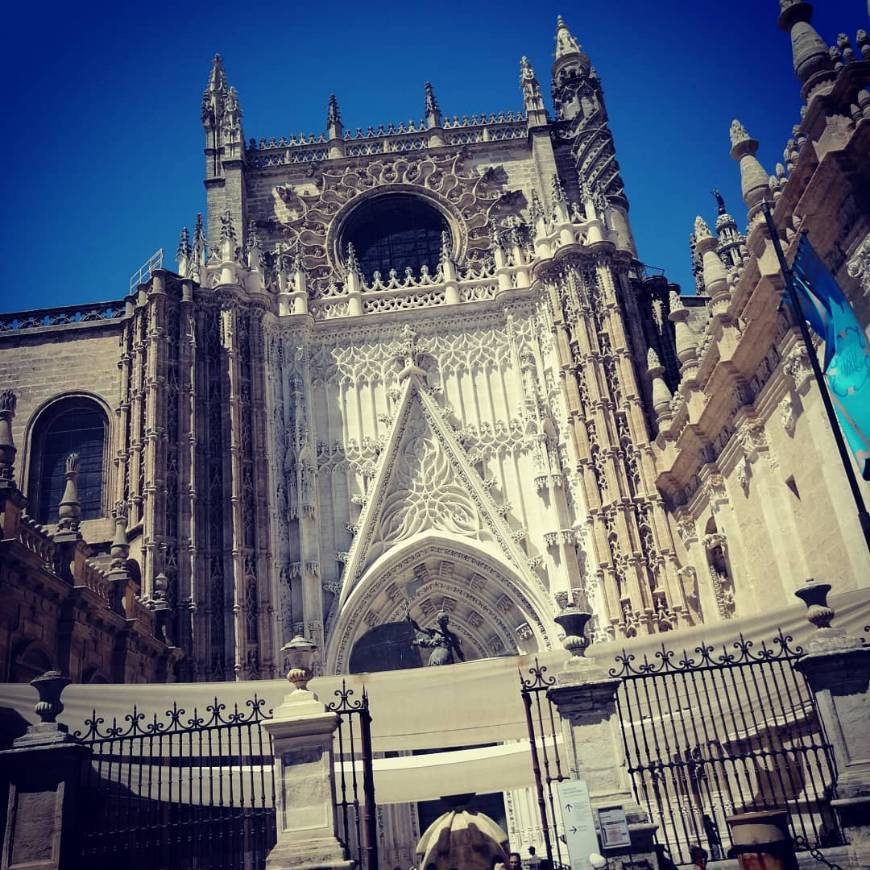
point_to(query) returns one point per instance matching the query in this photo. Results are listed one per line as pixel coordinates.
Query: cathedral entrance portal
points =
(489, 609)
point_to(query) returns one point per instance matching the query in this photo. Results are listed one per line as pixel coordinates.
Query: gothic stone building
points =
(423, 365)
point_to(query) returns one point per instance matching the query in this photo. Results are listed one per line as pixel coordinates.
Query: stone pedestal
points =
(837, 668)
(302, 733)
(43, 768)
(585, 695)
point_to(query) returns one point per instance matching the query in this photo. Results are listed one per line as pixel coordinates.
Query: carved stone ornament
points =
(858, 266)
(308, 220)
(788, 414)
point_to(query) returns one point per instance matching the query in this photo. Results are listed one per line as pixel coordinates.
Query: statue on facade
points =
(443, 642)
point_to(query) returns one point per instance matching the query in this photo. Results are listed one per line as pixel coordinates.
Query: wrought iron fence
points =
(181, 791)
(544, 728)
(713, 733)
(355, 784)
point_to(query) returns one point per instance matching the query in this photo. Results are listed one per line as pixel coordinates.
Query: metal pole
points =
(370, 823)
(845, 458)
(536, 768)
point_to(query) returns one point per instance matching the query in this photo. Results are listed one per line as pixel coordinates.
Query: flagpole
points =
(845, 458)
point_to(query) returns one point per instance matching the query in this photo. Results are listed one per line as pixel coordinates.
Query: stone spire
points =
(573, 83)
(69, 513)
(215, 94)
(254, 247)
(8, 401)
(532, 100)
(754, 181)
(197, 256)
(810, 56)
(334, 127)
(431, 109)
(182, 255)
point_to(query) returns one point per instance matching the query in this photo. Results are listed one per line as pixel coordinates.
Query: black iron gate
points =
(181, 791)
(544, 727)
(718, 733)
(355, 784)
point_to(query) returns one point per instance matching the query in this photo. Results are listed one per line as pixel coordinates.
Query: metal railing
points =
(716, 733)
(355, 784)
(178, 791)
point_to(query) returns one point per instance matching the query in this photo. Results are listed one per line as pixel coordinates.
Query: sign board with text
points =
(614, 828)
(578, 822)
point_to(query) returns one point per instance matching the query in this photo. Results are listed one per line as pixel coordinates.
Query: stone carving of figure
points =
(443, 642)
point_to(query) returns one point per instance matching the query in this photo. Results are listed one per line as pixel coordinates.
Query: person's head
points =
(515, 861)
(698, 856)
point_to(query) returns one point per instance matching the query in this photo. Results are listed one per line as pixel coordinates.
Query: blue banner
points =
(847, 355)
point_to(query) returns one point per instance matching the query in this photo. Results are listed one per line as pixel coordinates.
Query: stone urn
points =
(573, 621)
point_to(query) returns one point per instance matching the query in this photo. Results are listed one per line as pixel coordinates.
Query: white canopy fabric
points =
(461, 705)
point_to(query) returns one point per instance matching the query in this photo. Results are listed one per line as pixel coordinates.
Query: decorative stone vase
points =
(573, 621)
(49, 685)
(300, 654)
(815, 596)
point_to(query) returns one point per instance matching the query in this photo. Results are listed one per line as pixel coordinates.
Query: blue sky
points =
(102, 148)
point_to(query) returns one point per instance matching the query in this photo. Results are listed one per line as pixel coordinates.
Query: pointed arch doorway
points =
(491, 609)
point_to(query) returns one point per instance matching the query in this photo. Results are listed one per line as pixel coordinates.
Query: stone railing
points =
(501, 271)
(35, 539)
(389, 139)
(63, 316)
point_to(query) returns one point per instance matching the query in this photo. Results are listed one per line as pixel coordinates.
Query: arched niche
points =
(30, 659)
(491, 609)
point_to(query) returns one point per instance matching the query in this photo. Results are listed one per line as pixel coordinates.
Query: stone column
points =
(44, 769)
(837, 667)
(585, 695)
(302, 743)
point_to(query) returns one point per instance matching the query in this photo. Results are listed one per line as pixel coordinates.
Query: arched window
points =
(73, 425)
(395, 232)
(29, 660)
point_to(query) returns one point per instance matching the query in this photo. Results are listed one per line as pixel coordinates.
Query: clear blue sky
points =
(102, 150)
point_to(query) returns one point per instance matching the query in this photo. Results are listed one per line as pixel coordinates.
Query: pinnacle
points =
(566, 44)
(702, 231)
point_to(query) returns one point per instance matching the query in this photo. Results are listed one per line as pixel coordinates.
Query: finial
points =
(334, 126)
(532, 99)
(70, 509)
(565, 42)
(558, 191)
(754, 183)
(8, 401)
(652, 360)
(299, 654)
(50, 686)
(446, 247)
(350, 260)
(431, 109)
(120, 549)
(810, 56)
(739, 134)
(228, 230)
(676, 302)
(702, 231)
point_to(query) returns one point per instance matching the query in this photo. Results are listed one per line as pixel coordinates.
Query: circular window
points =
(399, 231)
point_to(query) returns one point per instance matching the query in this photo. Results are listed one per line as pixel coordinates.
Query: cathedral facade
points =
(423, 367)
